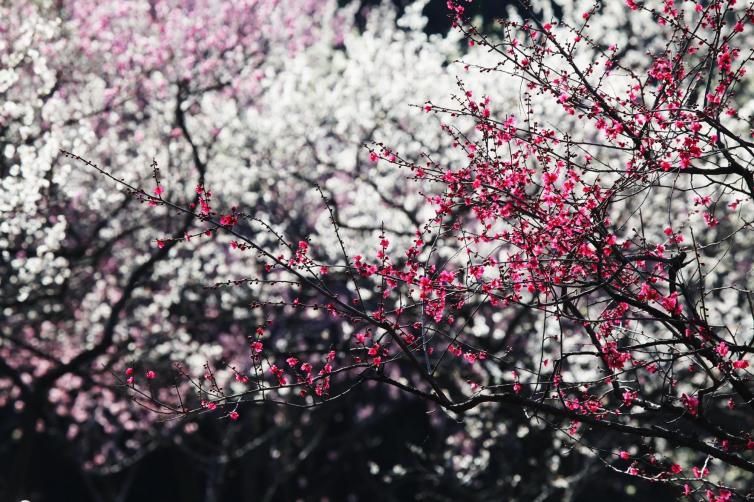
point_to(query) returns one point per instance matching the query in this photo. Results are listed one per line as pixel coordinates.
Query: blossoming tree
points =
(643, 320)
(559, 252)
